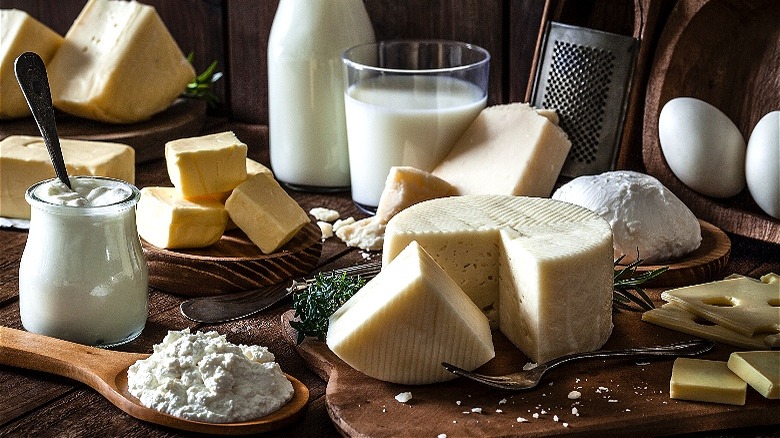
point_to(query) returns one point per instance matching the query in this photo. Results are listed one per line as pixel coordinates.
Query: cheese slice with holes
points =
(405, 322)
(542, 269)
(742, 304)
(760, 369)
(707, 381)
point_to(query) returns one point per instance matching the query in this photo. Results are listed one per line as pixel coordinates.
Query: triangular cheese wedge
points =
(760, 369)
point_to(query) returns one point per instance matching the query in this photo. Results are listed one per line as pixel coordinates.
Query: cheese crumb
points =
(555, 418)
(530, 366)
(324, 214)
(326, 228)
(404, 397)
(521, 420)
(476, 410)
(342, 222)
(502, 401)
(574, 395)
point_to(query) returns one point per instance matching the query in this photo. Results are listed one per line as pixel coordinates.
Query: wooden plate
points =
(727, 53)
(231, 265)
(185, 118)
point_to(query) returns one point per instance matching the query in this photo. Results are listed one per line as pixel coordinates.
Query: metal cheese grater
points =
(585, 75)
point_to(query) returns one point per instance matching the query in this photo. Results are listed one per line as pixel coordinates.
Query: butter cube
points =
(21, 33)
(707, 381)
(24, 160)
(206, 165)
(167, 220)
(118, 64)
(760, 369)
(265, 212)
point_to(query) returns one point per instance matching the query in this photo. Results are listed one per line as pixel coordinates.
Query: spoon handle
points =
(31, 75)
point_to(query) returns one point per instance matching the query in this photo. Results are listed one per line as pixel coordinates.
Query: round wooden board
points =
(727, 53)
(233, 264)
(185, 118)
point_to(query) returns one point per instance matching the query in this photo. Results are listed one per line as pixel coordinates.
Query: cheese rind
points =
(24, 160)
(707, 381)
(760, 369)
(206, 165)
(405, 322)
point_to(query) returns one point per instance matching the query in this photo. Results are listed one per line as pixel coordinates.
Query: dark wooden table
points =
(37, 404)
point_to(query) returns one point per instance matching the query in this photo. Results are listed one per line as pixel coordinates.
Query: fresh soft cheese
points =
(405, 322)
(25, 160)
(19, 33)
(206, 165)
(543, 268)
(118, 64)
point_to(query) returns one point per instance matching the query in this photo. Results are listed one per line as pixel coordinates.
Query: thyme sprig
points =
(626, 280)
(200, 87)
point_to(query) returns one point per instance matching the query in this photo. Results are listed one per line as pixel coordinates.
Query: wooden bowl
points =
(726, 53)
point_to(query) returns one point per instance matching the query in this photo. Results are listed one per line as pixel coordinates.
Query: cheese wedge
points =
(707, 381)
(167, 220)
(19, 33)
(265, 212)
(118, 64)
(541, 268)
(509, 149)
(206, 165)
(24, 160)
(405, 322)
(760, 369)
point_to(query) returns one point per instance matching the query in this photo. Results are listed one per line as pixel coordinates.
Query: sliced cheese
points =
(118, 64)
(542, 268)
(167, 220)
(405, 322)
(760, 369)
(509, 149)
(24, 160)
(707, 381)
(19, 33)
(265, 212)
(206, 165)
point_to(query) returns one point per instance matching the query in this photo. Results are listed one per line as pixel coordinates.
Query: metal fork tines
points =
(223, 308)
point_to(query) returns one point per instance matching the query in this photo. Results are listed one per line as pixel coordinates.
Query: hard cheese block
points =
(21, 33)
(25, 160)
(760, 369)
(167, 220)
(118, 64)
(707, 381)
(405, 322)
(509, 149)
(542, 268)
(206, 165)
(265, 212)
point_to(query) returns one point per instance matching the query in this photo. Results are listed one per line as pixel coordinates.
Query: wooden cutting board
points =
(618, 397)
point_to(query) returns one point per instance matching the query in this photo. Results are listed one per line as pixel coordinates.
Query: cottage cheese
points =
(203, 377)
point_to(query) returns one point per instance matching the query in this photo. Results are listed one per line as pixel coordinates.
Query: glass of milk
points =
(406, 103)
(83, 275)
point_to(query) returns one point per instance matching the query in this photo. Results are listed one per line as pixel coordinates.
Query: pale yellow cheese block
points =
(118, 64)
(707, 381)
(760, 369)
(167, 220)
(405, 322)
(508, 149)
(265, 212)
(19, 33)
(742, 304)
(206, 165)
(24, 160)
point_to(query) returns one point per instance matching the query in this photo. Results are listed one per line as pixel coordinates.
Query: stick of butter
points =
(707, 381)
(760, 369)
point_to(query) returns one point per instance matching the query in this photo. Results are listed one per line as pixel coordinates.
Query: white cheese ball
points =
(646, 217)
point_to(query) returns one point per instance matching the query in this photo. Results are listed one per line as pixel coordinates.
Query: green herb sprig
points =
(200, 87)
(626, 280)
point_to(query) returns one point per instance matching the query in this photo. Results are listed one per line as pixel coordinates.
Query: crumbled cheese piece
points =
(326, 229)
(502, 401)
(404, 397)
(521, 420)
(575, 412)
(530, 366)
(476, 410)
(574, 395)
(324, 214)
(555, 418)
(441, 435)
(342, 222)
(535, 415)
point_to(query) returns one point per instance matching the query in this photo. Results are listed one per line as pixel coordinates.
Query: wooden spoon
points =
(106, 372)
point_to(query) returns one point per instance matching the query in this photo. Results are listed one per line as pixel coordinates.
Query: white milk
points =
(404, 120)
(83, 276)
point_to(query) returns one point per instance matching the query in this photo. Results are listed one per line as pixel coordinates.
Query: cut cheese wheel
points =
(405, 322)
(542, 268)
(760, 369)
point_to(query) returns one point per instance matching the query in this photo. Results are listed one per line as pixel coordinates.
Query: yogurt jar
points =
(83, 275)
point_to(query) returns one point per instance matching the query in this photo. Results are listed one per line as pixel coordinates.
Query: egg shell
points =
(762, 164)
(702, 147)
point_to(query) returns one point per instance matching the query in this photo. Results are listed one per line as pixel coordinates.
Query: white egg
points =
(703, 147)
(762, 164)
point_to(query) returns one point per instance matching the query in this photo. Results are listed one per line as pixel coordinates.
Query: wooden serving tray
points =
(727, 53)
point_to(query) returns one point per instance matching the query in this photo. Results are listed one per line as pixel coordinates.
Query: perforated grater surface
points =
(585, 75)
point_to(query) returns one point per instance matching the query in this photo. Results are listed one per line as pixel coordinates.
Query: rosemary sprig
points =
(625, 281)
(200, 87)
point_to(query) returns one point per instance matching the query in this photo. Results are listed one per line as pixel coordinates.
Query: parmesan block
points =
(760, 369)
(24, 160)
(540, 268)
(265, 212)
(19, 33)
(206, 165)
(707, 381)
(405, 322)
(118, 64)
(510, 150)
(167, 220)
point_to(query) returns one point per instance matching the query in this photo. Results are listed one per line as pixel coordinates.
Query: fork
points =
(528, 379)
(223, 308)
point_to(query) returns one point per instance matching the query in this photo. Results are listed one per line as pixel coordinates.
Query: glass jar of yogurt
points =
(83, 275)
